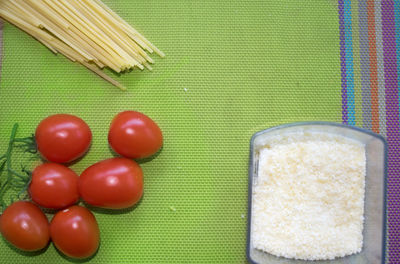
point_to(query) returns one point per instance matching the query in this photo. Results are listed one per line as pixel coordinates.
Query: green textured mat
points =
(232, 68)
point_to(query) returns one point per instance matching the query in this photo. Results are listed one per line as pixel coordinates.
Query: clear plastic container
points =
(374, 231)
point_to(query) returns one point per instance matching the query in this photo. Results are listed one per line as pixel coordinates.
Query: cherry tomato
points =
(114, 183)
(25, 226)
(54, 186)
(134, 135)
(62, 138)
(75, 232)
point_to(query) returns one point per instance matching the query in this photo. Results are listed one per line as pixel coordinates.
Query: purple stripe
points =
(343, 62)
(392, 125)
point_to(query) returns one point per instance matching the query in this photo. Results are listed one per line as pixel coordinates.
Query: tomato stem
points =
(9, 151)
(20, 176)
(28, 142)
(23, 189)
(15, 180)
(10, 145)
(3, 189)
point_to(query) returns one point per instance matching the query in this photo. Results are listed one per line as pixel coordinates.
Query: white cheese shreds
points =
(308, 198)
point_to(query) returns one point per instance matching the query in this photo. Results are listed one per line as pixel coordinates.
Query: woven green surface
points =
(232, 68)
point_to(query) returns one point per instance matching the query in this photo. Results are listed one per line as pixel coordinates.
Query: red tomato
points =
(75, 232)
(62, 138)
(134, 135)
(25, 226)
(114, 183)
(54, 186)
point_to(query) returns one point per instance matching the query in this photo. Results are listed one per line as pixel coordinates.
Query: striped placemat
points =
(370, 67)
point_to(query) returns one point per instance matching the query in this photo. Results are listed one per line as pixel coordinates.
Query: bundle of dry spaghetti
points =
(85, 31)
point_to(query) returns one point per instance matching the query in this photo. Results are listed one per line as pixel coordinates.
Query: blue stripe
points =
(349, 62)
(397, 21)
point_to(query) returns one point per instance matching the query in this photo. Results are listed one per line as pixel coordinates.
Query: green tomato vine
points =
(11, 179)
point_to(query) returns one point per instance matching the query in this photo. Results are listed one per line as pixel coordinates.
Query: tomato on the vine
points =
(54, 186)
(25, 226)
(75, 232)
(134, 135)
(114, 183)
(62, 138)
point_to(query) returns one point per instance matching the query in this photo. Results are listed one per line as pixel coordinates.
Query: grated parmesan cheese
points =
(308, 198)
